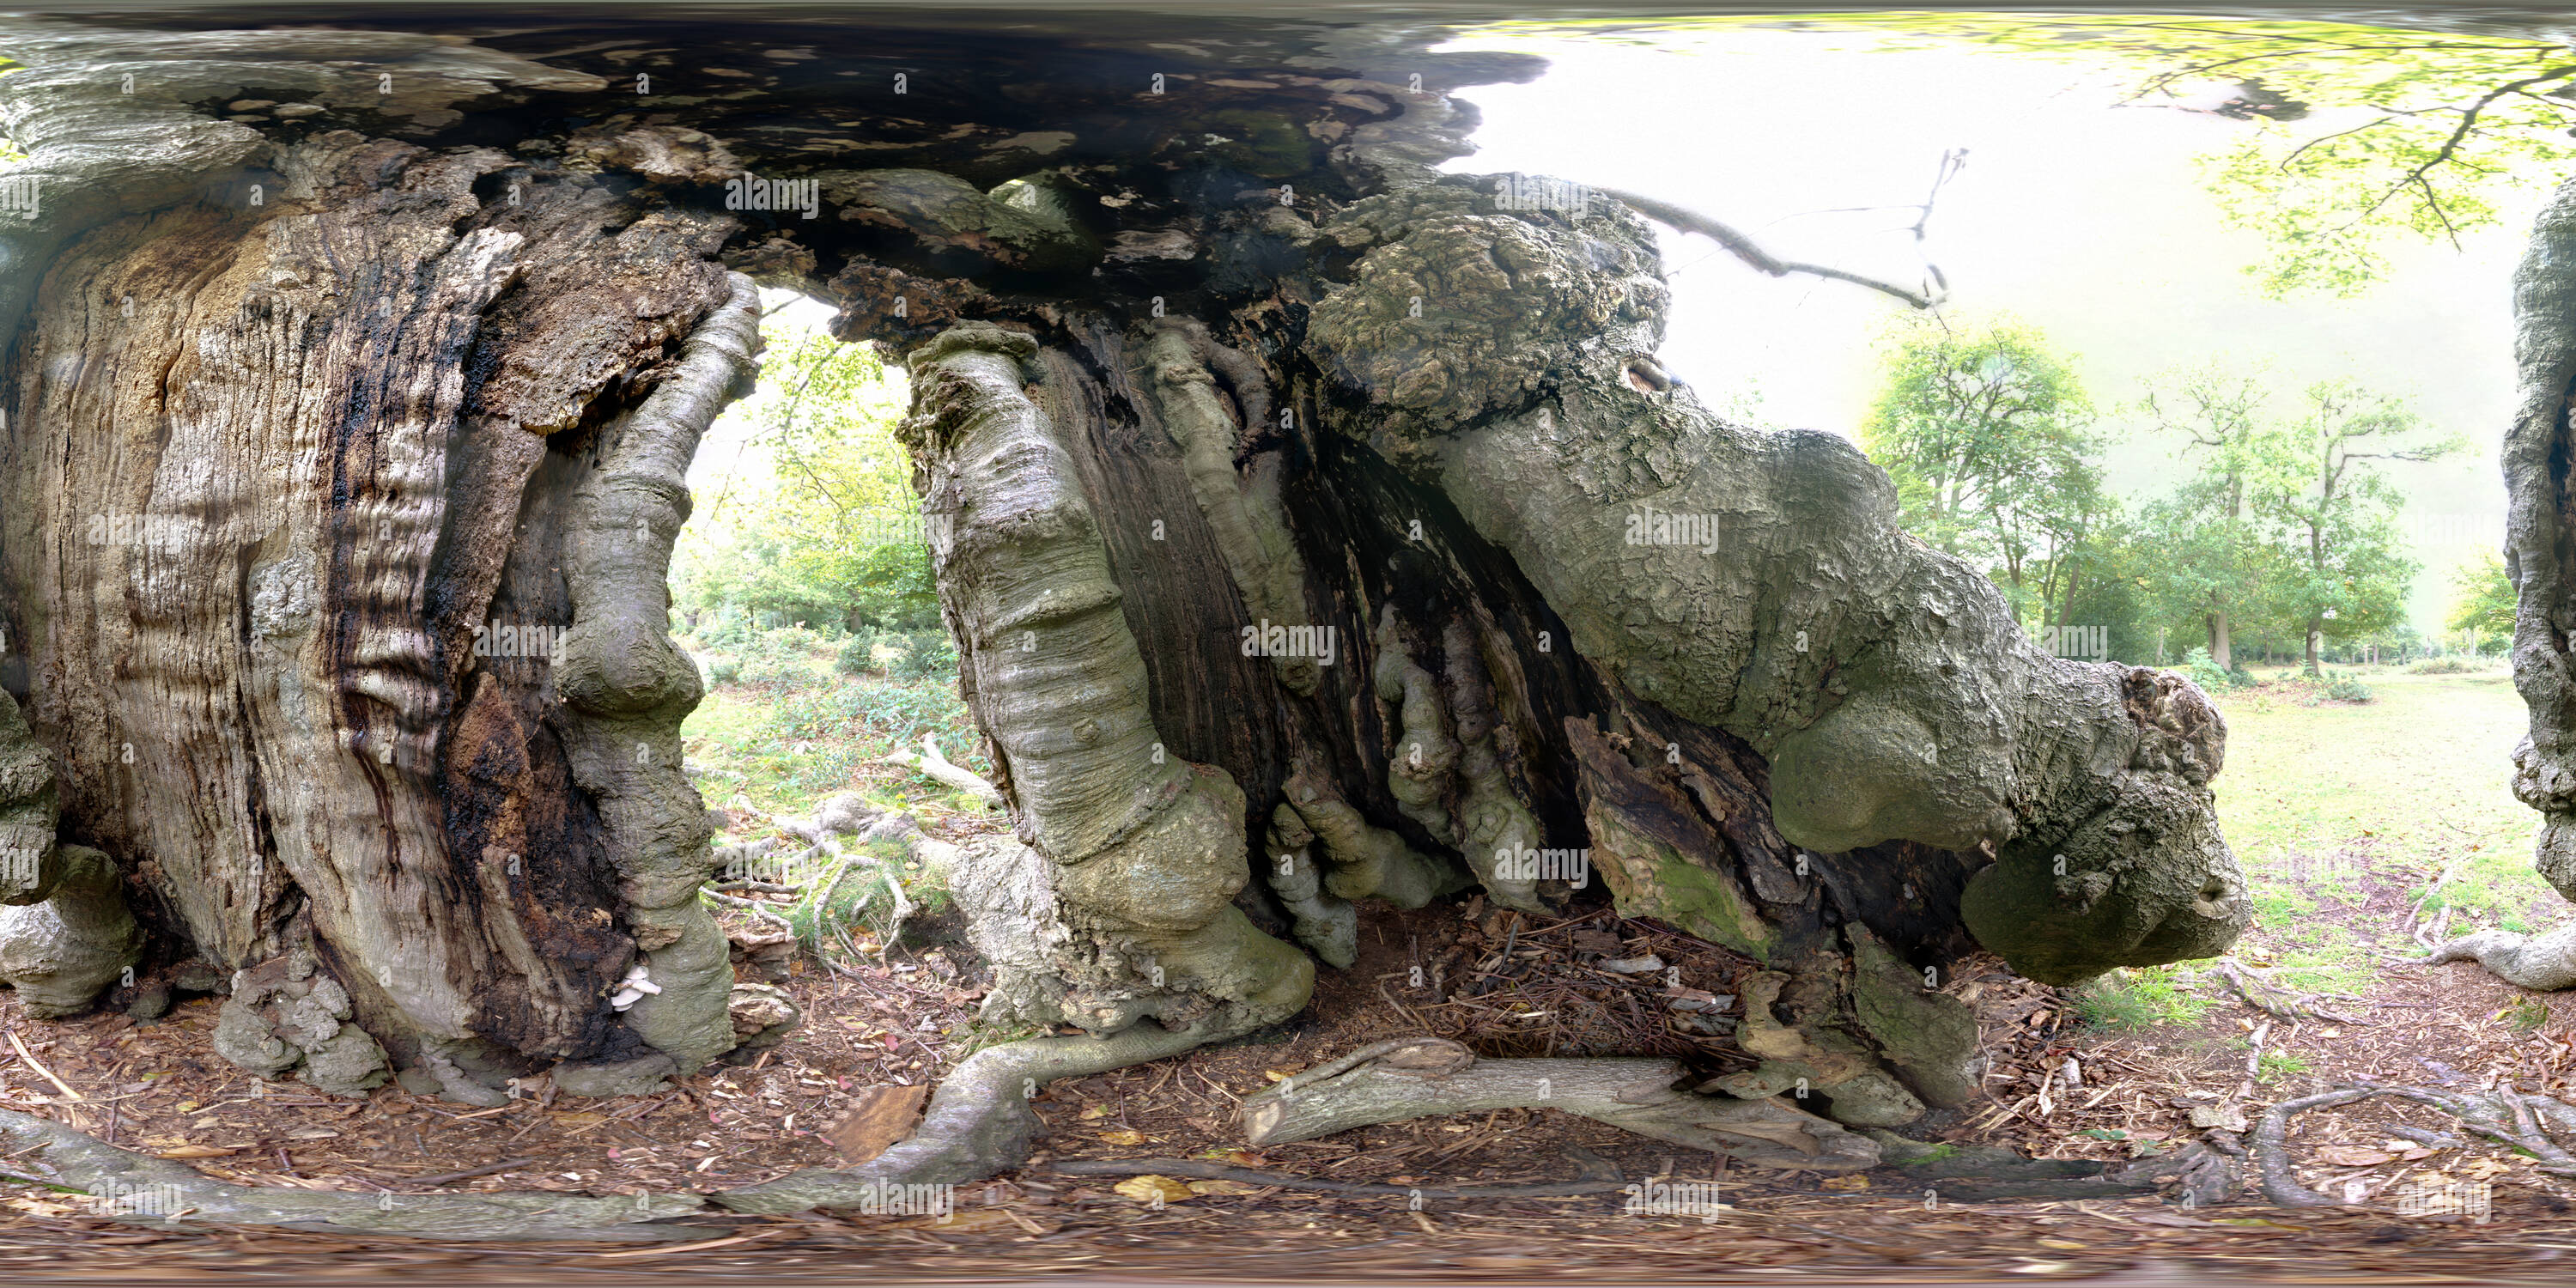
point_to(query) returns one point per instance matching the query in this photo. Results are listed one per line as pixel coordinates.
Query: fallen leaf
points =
(1224, 1187)
(1094, 1111)
(2353, 1156)
(2061, 1245)
(39, 1207)
(1123, 1137)
(1850, 1181)
(1147, 1189)
(196, 1151)
(879, 1117)
(1237, 1157)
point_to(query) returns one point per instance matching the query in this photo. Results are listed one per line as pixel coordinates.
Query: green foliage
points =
(2274, 1065)
(2137, 999)
(2451, 665)
(813, 739)
(2203, 670)
(724, 670)
(2345, 688)
(927, 655)
(2351, 134)
(857, 656)
(816, 521)
(2482, 597)
(1986, 432)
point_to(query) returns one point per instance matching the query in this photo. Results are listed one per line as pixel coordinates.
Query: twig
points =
(29, 1057)
(1745, 249)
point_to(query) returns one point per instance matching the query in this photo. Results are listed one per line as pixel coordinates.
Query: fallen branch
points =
(1417, 1077)
(2482, 1115)
(1219, 1172)
(930, 764)
(2273, 998)
(2544, 963)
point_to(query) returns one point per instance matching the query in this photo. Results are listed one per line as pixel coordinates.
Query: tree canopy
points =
(815, 520)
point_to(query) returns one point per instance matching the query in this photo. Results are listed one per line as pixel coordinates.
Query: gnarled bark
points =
(1293, 506)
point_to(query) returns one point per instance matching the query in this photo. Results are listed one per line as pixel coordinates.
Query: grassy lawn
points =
(2341, 813)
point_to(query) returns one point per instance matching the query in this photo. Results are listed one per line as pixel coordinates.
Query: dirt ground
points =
(1504, 985)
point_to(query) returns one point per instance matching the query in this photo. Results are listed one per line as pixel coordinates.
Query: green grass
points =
(2274, 1065)
(2138, 998)
(2322, 803)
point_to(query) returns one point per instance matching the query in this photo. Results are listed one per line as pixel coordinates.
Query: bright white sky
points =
(2087, 219)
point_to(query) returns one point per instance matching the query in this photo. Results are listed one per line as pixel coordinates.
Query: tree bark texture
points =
(1301, 514)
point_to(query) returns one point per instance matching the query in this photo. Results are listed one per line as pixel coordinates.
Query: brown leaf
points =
(1224, 1187)
(196, 1151)
(2353, 1156)
(1851, 1181)
(1147, 1189)
(878, 1119)
(1123, 1137)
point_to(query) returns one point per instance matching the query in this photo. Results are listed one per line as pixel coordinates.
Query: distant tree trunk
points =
(2219, 650)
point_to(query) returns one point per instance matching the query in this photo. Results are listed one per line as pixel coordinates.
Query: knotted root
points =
(2543, 963)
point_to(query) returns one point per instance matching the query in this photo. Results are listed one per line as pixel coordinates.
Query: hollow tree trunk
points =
(338, 495)
(1316, 530)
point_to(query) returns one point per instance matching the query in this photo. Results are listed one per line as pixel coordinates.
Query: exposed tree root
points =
(979, 1123)
(2543, 963)
(1610, 1182)
(144, 1190)
(1414, 1077)
(2200, 1176)
(2506, 1115)
(2274, 999)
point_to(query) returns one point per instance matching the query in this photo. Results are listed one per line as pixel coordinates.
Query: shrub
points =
(2204, 672)
(2444, 666)
(859, 654)
(2344, 688)
(724, 670)
(927, 655)
(777, 674)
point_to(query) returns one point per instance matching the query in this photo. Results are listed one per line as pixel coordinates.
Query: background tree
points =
(814, 519)
(2317, 477)
(2213, 566)
(1984, 431)
(2482, 600)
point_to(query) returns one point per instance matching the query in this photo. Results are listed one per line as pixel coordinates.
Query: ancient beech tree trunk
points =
(287, 459)
(1317, 531)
